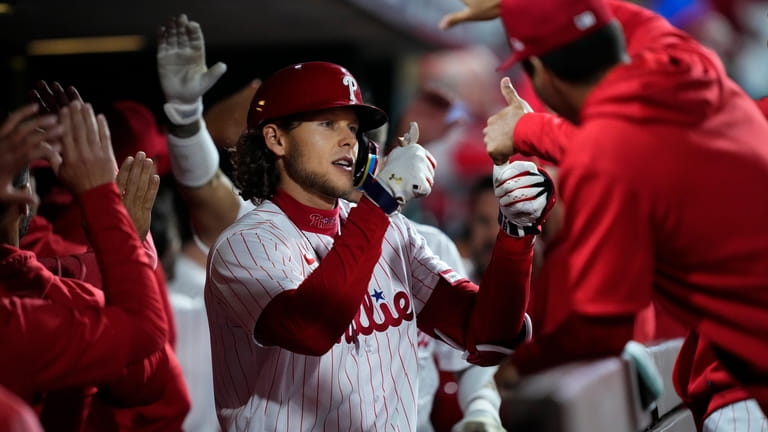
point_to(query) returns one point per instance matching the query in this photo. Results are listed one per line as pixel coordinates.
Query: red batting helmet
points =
(311, 86)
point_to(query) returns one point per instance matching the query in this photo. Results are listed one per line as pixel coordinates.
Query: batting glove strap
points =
(379, 195)
(516, 230)
(182, 114)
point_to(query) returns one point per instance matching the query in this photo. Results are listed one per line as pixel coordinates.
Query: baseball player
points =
(652, 117)
(313, 304)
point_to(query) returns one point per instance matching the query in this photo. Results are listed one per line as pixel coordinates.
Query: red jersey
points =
(660, 181)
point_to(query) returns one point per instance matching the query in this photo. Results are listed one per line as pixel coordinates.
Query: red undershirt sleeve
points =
(542, 135)
(311, 319)
(486, 321)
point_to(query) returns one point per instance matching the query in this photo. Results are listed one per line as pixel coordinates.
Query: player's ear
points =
(272, 138)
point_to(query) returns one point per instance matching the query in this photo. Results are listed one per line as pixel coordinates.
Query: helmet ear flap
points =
(367, 158)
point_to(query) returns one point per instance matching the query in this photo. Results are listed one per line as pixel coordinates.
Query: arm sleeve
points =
(59, 345)
(542, 135)
(259, 281)
(129, 281)
(485, 321)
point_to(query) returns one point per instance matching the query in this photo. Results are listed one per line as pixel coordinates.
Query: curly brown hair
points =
(255, 168)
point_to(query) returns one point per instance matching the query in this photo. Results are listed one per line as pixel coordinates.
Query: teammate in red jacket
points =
(58, 330)
(659, 175)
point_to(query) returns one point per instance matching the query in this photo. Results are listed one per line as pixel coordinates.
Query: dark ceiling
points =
(252, 36)
(383, 27)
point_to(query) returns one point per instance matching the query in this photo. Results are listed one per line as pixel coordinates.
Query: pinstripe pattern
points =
(742, 416)
(366, 382)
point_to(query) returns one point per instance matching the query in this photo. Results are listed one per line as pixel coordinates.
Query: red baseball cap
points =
(133, 128)
(537, 27)
(311, 86)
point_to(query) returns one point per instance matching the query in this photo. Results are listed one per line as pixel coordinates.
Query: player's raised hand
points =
(54, 97)
(409, 170)
(88, 160)
(25, 136)
(181, 67)
(525, 196)
(475, 10)
(139, 184)
(499, 132)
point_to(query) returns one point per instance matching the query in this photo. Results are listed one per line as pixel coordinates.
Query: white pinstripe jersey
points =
(366, 382)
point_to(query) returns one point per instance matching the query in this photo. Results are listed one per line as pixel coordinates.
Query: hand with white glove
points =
(408, 172)
(183, 73)
(525, 196)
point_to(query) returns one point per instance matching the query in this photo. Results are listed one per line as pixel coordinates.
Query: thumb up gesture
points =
(499, 133)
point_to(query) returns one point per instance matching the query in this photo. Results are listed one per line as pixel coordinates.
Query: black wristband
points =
(517, 230)
(376, 192)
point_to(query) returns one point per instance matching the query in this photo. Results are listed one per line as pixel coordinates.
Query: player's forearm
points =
(486, 322)
(497, 317)
(312, 318)
(209, 195)
(212, 207)
(129, 281)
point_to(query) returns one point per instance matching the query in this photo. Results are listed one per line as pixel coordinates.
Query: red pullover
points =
(659, 181)
(60, 334)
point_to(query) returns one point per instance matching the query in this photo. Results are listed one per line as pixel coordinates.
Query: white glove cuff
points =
(195, 159)
(182, 114)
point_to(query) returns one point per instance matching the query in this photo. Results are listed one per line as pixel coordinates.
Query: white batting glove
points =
(409, 170)
(523, 193)
(183, 73)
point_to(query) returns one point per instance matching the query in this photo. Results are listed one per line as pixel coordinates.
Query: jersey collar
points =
(308, 218)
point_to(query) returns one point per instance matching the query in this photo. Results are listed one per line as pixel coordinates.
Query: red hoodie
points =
(661, 182)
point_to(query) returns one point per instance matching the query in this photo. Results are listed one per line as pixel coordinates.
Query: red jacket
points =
(661, 181)
(58, 329)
